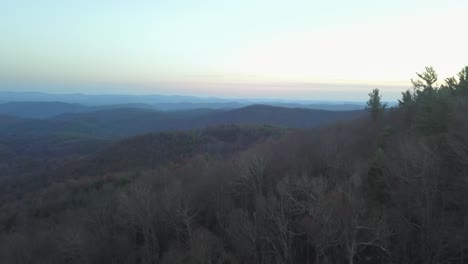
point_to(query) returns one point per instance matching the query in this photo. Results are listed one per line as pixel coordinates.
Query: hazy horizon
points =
(145, 98)
(267, 92)
(331, 50)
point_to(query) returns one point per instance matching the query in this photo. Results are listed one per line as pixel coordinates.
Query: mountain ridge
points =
(122, 122)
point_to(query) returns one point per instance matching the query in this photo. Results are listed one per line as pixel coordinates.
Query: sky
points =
(294, 49)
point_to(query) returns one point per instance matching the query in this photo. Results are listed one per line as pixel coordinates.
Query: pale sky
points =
(332, 49)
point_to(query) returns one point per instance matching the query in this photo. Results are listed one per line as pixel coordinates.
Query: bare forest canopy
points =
(260, 185)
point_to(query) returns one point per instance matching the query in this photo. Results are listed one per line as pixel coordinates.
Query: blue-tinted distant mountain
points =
(190, 106)
(170, 102)
(281, 116)
(122, 122)
(51, 109)
(7, 119)
(39, 109)
(330, 106)
(44, 109)
(104, 99)
(232, 105)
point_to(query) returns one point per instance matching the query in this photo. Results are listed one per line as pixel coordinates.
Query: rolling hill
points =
(39, 109)
(123, 122)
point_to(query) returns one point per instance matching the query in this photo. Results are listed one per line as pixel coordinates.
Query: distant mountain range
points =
(42, 105)
(122, 122)
(35, 144)
(51, 129)
(51, 109)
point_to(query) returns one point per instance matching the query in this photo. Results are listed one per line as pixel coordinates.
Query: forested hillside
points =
(125, 122)
(388, 187)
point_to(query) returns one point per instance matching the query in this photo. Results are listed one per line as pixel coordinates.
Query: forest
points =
(386, 186)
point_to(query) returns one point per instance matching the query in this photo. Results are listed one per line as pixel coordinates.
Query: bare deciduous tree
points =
(141, 212)
(251, 174)
(244, 234)
(280, 234)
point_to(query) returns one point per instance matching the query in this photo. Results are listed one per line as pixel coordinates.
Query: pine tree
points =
(375, 106)
(407, 103)
(426, 81)
(407, 99)
(462, 87)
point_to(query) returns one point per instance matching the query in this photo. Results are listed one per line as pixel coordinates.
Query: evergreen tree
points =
(451, 85)
(407, 104)
(426, 81)
(374, 105)
(431, 106)
(462, 87)
(406, 100)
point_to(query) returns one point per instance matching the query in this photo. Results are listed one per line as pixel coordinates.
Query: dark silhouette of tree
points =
(406, 100)
(462, 84)
(374, 105)
(426, 80)
(407, 104)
